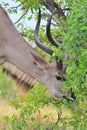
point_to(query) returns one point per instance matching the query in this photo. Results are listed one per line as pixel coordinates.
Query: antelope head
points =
(24, 64)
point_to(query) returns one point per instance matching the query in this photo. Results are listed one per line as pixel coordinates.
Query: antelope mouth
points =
(21, 78)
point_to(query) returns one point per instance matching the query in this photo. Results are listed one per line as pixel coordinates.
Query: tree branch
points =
(51, 5)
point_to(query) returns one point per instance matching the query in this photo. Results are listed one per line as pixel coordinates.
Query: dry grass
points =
(51, 113)
(6, 110)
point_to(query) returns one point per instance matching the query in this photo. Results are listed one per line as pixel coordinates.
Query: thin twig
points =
(55, 21)
(21, 16)
(59, 116)
(17, 6)
(22, 3)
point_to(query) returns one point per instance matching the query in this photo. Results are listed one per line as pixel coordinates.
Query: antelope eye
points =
(58, 77)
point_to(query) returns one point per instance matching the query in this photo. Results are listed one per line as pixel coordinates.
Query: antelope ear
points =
(38, 60)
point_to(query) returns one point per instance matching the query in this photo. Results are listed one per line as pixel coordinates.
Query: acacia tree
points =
(69, 26)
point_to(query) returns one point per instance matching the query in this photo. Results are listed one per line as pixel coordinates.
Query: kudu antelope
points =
(24, 63)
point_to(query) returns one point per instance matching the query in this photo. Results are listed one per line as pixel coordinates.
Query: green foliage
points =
(6, 84)
(75, 42)
(31, 4)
